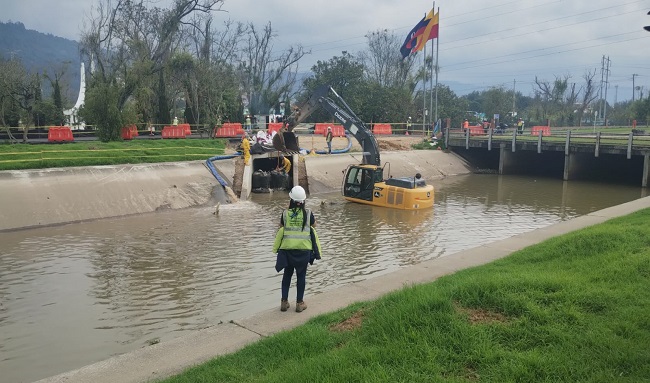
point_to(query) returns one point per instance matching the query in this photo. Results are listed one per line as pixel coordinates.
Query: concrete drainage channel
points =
(260, 176)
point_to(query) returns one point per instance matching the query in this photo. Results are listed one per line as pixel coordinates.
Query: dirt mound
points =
(391, 145)
(397, 142)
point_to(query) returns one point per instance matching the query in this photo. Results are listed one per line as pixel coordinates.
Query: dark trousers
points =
(301, 275)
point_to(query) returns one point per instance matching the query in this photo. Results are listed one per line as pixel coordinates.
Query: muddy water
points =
(76, 294)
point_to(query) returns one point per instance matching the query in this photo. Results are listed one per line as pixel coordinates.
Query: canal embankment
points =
(43, 197)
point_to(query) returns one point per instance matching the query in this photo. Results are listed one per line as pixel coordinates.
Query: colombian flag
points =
(424, 31)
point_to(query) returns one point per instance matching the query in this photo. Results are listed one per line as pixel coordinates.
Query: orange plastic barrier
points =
(321, 128)
(476, 130)
(128, 132)
(188, 131)
(337, 130)
(174, 131)
(382, 129)
(59, 133)
(546, 131)
(229, 129)
(274, 127)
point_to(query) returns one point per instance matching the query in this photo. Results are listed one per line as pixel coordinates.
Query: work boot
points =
(301, 306)
(284, 305)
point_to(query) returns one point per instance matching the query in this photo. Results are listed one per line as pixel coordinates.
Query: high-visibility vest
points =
(296, 237)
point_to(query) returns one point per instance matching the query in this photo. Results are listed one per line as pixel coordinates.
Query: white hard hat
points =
(298, 194)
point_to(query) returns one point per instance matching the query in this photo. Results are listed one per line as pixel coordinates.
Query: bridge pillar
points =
(646, 170)
(506, 160)
(567, 164)
(576, 165)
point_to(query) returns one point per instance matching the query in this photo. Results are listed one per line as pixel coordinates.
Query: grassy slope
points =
(86, 153)
(572, 309)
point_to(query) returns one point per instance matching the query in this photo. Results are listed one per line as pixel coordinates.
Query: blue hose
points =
(336, 151)
(223, 182)
(213, 170)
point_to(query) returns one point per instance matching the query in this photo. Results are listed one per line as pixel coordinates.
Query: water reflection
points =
(75, 294)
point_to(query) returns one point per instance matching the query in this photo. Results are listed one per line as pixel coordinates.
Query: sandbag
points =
(261, 180)
(279, 180)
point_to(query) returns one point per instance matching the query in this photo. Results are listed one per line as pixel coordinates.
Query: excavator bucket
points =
(286, 141)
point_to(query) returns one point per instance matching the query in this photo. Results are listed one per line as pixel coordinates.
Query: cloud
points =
(481, 44)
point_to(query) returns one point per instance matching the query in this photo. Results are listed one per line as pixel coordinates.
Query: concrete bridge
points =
(567, 154)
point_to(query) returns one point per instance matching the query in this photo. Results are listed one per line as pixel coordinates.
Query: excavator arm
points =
(341, 112)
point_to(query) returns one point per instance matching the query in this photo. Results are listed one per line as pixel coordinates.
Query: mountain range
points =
(46, 53)
(43, 53)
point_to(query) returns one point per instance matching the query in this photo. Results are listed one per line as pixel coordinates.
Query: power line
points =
(537, 30)
(547, 54)
(608, 16)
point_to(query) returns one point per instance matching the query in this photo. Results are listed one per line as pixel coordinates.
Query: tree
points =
(384, 63)
(345, 75)
(641, 110)
(384, 103)
(101, 109)
(557, 100)
(130, 45)
(11, 75)
(266, 78)
(449, 104)
(206, 76)
(588, 95)
(57, 98)
(19, 92)
(621, 113)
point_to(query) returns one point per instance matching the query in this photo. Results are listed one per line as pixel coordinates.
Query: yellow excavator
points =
(363, 183)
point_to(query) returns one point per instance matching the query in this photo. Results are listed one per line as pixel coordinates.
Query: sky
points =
(503, 43)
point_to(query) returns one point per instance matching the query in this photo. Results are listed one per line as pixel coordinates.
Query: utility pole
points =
(600, 92)
(616, 95)
(606, 86)
(514, 97)
(633, 89)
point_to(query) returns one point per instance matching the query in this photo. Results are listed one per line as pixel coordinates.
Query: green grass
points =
(87, 153)
(575, 308)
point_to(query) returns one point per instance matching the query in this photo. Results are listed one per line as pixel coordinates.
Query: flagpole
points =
(437, 50)
(433, 8)
(424, 89)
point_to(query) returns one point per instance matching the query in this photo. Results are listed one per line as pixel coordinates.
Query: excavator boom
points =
(341, 112)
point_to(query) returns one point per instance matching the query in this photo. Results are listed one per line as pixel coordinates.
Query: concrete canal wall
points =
(32, 198)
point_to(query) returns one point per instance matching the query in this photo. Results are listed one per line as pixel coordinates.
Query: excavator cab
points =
(360, 180)
(365, 184)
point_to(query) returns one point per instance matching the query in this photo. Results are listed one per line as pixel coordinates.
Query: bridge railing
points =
(621, 138)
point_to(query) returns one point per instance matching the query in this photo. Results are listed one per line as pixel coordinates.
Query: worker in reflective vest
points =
(294, 244)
